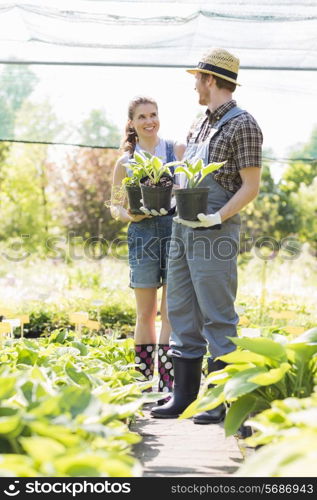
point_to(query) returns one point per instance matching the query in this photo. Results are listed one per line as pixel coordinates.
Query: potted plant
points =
(131, 184)
(156, 183)
(193, 200)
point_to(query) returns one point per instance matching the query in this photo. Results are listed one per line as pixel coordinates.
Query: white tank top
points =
(160, 149)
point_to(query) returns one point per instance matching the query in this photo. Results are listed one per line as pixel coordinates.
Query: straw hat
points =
(218, 62)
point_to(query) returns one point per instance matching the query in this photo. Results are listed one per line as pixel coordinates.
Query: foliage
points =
(289, 432)
(293, 457)
(303, 170)
(137, 171)
(259, 372)
(305, 198)
(97, 130)
(282, 418)
(83, 185)
(44, 318)
(65, 404)
(24, 205)
(26, 199)
(152, 166)
(197, 171)
(17, 84)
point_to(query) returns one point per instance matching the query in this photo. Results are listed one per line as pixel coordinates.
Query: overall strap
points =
(232, 113)
(170, 156)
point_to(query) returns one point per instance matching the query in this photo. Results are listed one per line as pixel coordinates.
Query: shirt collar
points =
(221, 111)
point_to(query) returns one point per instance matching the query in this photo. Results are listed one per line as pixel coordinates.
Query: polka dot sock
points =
(144, 359)
(165, 369)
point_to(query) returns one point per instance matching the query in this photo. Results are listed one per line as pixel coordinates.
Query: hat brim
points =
(193, 71)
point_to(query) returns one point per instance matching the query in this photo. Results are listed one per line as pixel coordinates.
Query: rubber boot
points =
(217, 414)
(187, 374)
(166, 373)
(144, 359)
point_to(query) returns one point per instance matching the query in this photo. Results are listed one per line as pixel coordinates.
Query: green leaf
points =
(240, 383)
(238, 413)
(57, 432)
(94, 465)
(185, 171)
(42, 449)
(157, 163)
(198, 166)
(139, 159)
(7, 387)
(309, 337)
(147, 155)
(272, 376)
(173, 164)
(238, 356)
(78, 376)
(74, 400)
(17, 466)
(10, 420)
(27, 356)
(207, 401)
(81, 347)
(266, 347)
(58, 337)
(303, 352)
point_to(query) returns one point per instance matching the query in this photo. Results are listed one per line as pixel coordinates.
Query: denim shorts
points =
(148, 243)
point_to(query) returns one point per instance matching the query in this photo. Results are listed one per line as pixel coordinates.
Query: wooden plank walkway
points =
(179, 448)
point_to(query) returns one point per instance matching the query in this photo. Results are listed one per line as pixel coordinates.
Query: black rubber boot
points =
(217, 414)
(187, 374)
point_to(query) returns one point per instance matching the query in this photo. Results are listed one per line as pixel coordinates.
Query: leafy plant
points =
(260, 371)
(197, 171)
(292, 457)
(281, 420)
(152, 166)
(65, 405)
(137, 173)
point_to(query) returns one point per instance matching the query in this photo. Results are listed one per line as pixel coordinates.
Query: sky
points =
(283, 102)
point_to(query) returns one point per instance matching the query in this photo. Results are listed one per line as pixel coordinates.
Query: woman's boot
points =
(187, 374)
(165, 371)
(144, 359)
(217, 414)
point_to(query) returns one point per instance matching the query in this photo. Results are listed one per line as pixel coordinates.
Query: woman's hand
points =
(137, 217)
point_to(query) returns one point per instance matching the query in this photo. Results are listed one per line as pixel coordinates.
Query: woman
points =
(148, 238)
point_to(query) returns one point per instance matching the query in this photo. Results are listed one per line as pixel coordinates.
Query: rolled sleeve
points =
(246, 144)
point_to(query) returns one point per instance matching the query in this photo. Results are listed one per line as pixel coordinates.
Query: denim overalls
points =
(202, 272)
(148, 242)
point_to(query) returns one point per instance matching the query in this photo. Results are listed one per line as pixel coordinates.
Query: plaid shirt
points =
(239, 142)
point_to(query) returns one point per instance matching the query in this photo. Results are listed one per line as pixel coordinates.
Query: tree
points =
(16, 85)
(306, 201)
(84, 184)
(260, 217)
(26, 202)
(97, 130)
(303, 170)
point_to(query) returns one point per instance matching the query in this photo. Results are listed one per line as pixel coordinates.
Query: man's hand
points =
(204, 221)
(137, 217)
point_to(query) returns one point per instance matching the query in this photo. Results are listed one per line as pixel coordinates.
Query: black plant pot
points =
(134, 199)
(156, 197)
(191, 201)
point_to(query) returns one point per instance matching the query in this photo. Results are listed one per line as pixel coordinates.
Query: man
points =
(202, 275)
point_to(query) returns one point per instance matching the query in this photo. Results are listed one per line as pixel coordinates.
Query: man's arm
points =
(249, 190)
(251, 177)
